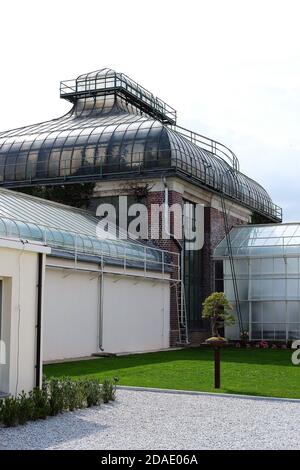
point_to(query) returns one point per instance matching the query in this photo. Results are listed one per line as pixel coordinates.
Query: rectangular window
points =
(219, 276)
(192, 273)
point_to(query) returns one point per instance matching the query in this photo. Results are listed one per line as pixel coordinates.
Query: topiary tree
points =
(217, 308)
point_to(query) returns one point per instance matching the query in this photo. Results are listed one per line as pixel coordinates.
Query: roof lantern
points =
(106, 82)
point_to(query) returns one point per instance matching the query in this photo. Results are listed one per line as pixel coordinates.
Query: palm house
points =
(114, 129)
(118, 139)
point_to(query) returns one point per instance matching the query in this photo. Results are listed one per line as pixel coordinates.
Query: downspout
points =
(101, 289)
(38, 365)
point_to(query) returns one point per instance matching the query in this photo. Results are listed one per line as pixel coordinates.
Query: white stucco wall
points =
(19, 272)
(71, 303)
(135, 312)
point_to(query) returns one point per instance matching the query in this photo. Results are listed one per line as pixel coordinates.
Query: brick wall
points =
(214, 232)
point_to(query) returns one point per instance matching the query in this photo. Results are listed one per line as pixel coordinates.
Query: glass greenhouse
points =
(117, 129)
(73, 233)
(267, 268)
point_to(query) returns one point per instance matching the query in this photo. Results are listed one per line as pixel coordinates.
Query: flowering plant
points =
(244, 335)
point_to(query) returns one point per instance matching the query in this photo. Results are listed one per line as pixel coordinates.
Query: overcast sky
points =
(231, 68)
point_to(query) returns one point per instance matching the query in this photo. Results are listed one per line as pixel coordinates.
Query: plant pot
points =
(216, 342)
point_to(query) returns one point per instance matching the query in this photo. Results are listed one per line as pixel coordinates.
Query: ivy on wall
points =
(75, 195)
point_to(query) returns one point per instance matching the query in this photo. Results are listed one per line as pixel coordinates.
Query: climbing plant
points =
(76, 195)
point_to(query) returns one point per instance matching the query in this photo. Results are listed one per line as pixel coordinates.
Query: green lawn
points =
(252, 372)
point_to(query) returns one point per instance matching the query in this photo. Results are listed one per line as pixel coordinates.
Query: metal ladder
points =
(183, 335)
(231, 262)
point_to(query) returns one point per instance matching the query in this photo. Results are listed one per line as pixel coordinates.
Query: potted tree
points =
(217, 308)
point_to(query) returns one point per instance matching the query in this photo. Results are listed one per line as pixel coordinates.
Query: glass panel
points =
(255, 290)
(292, 288)
(243, 289)
(278, 289)
(292, 265)
(256, 266)
(265, 240)
(267, 265)
(59, 226)
(256, 331)
(294, 331)
(279, 265)
(293, 310)
(256, 311)
(274, 312)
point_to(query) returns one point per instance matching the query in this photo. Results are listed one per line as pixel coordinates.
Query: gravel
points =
(170, 421)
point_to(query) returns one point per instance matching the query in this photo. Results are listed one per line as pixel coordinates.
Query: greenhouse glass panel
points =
(269, 292)
(69, 229)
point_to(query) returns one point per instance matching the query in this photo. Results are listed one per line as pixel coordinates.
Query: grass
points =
(244, 371)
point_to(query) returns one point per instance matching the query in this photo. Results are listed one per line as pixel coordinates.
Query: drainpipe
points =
(38, 365)
(101, 289)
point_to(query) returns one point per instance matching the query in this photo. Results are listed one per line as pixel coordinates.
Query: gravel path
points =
(148, 420)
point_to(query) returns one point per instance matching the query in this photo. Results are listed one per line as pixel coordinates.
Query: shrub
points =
(56, 397)
(9, 411)
(74, 394)
(109, 390)
(81, 399)
(25, 408)
(41, 406)
(93, 392)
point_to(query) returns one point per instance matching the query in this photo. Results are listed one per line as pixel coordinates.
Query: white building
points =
(66, 293)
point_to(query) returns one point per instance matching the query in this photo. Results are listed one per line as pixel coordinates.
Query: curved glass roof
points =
(262, 240)
(70, 230)
(117, 129)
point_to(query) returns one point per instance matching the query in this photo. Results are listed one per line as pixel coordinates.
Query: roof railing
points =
(213, 146)
(113, 82)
